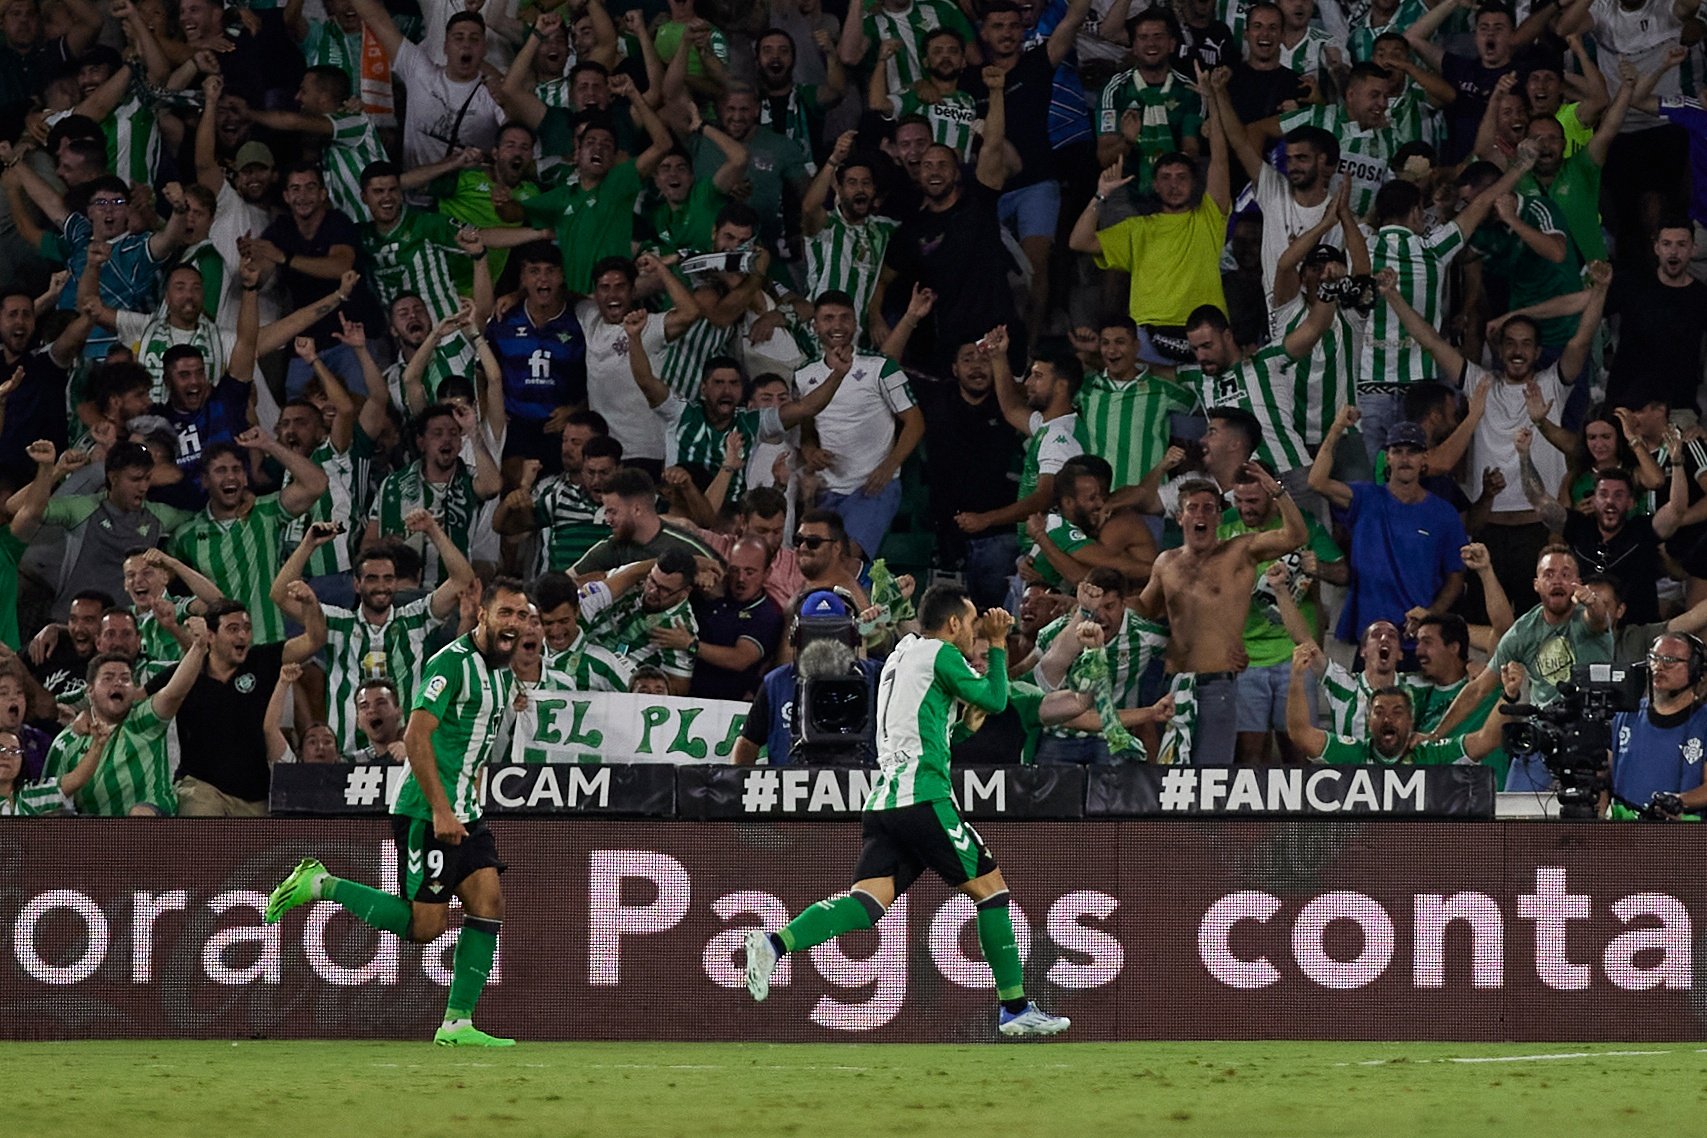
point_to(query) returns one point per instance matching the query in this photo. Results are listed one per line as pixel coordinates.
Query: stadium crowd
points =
(1304, 376)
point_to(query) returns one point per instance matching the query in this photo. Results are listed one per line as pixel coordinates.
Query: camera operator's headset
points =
(1697, 657)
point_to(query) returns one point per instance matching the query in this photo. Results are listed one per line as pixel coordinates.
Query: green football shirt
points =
(471, 701)
(922, 681)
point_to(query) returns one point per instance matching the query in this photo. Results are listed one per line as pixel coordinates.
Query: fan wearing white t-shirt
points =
(868, 430)
(610, 383)
(449, 107)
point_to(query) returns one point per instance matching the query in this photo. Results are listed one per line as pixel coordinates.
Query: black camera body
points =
(1574, 733)
(832, 720)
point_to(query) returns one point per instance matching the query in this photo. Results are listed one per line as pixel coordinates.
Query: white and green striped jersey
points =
(353, 144)
(555, 93)
(1306, 56)
(1364, 154)
(1412, 118)
(1390, 354)
(241, 556)
(624, 626)
(848, 256)
(690, 439)
(149, 336)
(909, 26)
(133, 142)
(1128, 651)
(924, 681)
(1347, 695)
(683, 366)
(1260, 384)
(453, 355)
(570, 522)
(327, 45)
(953, 118)
(160, 649)
(135, 769)
(1326, 379)
(590, 666)
(35, 801)
(412, 256)
(1051, 444)
(472, 702)
(344, 500)
(1125, 422)
(453, 503)
(1364, 33)
(358, 651)
(1232, 13)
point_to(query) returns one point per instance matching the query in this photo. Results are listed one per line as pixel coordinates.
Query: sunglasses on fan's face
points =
(810, 541)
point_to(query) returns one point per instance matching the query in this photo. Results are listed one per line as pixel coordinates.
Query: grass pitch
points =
(317, 1090)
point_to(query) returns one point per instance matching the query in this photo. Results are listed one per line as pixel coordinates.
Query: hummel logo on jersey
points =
(959, 837)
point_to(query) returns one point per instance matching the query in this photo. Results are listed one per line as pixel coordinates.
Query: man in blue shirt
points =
(1405, 563)
(1657, 749)
(770, 721)
(543, 354)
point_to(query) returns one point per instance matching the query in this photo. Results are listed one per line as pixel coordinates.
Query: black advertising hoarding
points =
(1220, 929)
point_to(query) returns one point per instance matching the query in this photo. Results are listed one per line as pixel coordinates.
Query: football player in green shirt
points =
(444, 847)
(910, 822)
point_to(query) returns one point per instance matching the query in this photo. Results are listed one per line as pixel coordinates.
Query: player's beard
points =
(496, 648)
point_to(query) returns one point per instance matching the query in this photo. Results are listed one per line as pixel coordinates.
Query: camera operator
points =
(1570, 627)
(823, 618)
(1657, 749)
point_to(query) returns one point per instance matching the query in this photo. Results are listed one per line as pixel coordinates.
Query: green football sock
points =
(825, 920)
(384, 911)
(472, 963)
(996, 939)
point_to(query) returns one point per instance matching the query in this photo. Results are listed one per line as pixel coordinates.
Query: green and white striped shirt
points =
(919, 694)
(1305, 56)
(848, 256)
(683, 366)
(1129, 653)
(453, 503)
(344, 500)
(1260, 385)
(357, 651)
(1390, 354)
(240, 556)
(135, 770)
(624, 626)
(133, 142)
(590, 666)
(1326, 379)
(412, 257)
(570, 521)
(327, 45)
(149, 336)
(453, 355)
(910, 26)
(953, 118)
(1125, 422)
(1364, 154)
(35, 801)
(1347, 695)
(1050, 446)
(353, 144)
(472, 702)
(160, 649)
(690, 439)
(1171, 111)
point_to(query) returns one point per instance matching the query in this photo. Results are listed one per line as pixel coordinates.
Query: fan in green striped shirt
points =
(404, 250)
(695, 434)
(54, 795)
(936, 97)
(236, 540)
(134, 777)
(568, 649)
(1125, 420)
(629, 609)
(845, 243)
(348, 142)
(379, 638)
(160, 618)
(438, 482)
(1128, 650)
(1259, 384)
(907, 24)
(568, 509)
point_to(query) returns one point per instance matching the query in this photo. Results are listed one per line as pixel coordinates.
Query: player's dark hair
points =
(1393, 691)
(940, 603)
(588, 419)
(1557, 547)
(1615, 474)
(941, 33)
(430, 412)
(99, 596)
(1208, 316)
(1155, 14)
(465, 18)
(122, 613)
(722, 363)
(1119, 320)
(503, 584)
(1242, 422)
(224, 450)
(116, 380)
(763, 502)
(1107, 578)
(588, 67)
(1081, 466)
(632, 484)
(222, 608)
(737, 213)
(519, 127)
(1478, 176)
(1193, 486)
(384, 683)
(1395, 201)
(772, 32)
(833, 298)
(1369, 71)
(380, 551)
(1494, 9)
(335, 81)
(1454, 631)
(380, 169)
(829, 518)
(1067, 367)
(127, 455)
(180, 352)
